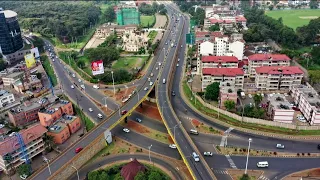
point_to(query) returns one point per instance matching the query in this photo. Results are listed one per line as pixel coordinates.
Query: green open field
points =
(144, 20)
(295, 18)
(129, 62)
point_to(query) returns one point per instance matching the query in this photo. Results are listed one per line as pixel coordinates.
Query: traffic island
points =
(204, 128)
(236, 151)
(306, 174)
(238, 174)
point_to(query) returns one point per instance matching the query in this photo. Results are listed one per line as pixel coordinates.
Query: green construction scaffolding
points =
(127, 16)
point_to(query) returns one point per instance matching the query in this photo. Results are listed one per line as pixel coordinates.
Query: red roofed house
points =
(278, 77)
(230, 76)
(33, 141)
(130, 170)
(258, 60)
(219, 62)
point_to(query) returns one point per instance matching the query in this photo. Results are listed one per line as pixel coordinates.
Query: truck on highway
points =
(172, 44)
(243, 95)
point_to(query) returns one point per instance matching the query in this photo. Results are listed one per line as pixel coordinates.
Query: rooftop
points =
(57, 127)
(4, 93)
(267, 57)
(231, 72)
(279, 101)
(287, 70)
(14, 75)
(218, 59)
(224, 88)
(54, 107)
(9, 13)
(11, 143)
(310, 95)
(35, 104)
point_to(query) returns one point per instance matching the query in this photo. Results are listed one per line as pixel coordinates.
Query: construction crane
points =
(24, 152)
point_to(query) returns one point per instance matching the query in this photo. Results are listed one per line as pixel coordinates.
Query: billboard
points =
(30, 60)
(97, 67)
(35, 52)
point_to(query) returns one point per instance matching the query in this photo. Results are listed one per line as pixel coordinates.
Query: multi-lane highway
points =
(88, 138)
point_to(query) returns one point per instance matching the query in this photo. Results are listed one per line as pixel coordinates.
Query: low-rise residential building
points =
(27, 84)
(11, 78)
(27, 113)
(10, 146)
(279, 108)
(227, 22)
(6, 98)
(259, 60)
(51, 114)
(231, 76)
(227, 93)
(219, 62)
(217, 44)
(308, 101)
(277, 77)
(106, 30)
(62, 129)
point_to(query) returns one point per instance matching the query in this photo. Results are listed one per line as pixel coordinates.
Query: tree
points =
(271, 7)
(24, 169)
(118, 177)
(229, 104)
(93, 175)
(140, 176)
(107, 54)
(155, 175)
(39, 75)
(215, 27)
(103, 175)
(163, 11)
(313, 4)
(49, 142)
(212, 91)
(314, 76)
(257, 99)
(245, 177)
(3, 64)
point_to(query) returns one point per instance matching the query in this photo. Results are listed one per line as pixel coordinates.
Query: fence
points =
(254, 120)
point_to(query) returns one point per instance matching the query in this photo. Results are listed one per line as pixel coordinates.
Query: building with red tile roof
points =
(231, 76)
(278, 77)
(219, 62)
(33, 140)
(260, 60)
(130, 170)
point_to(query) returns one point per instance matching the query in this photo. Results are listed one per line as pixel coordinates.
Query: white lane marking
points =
(223, 140)
(229, 130)
(231, 162)
(220, 172)
(262, 177)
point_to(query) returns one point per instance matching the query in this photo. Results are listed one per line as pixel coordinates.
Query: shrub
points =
(235, 149)
(309, 154)
(275, 153)
(302, 154)
(298, 154)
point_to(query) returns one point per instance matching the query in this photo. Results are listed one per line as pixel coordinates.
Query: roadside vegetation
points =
(49, 70)
(88, 124)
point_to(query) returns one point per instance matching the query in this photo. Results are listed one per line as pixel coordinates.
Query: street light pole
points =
(114, 90)
(77, 171)
(250, 140)
(46, 160)
(149, 147)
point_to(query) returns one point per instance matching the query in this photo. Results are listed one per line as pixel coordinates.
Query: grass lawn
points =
(129, 62)
(295, 18)
(152, 35)
(145, 20)
(49, 69)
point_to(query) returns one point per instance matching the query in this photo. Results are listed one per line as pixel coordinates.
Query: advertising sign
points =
(97, 67)
(35, 52)
(30, 61)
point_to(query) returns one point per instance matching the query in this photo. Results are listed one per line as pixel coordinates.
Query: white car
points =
(24, 176)
(280, 146)
(79, 80)
(73, 75)
(157, 68)
(178, 59)
(95, 87)
(146, 88)
(177, 65)
(159, 63)
(250, 96)
(151, 83)
(72, 86)
(173, 146)
(207, 154)
(82, 86)
(126, 130)
(90, 110)
(151, 74)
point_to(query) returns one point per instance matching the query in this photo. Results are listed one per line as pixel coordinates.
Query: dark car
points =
(173, 93)
(124, 112)
(319, 146)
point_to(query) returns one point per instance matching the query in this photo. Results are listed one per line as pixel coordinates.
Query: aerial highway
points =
(115, 117)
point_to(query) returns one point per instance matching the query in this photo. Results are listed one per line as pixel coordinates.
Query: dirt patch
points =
(137, 127)
(308, 17)
(121, 94)
(204, 128)
(170, 139)
(196, 122)
(150, 110)
(310, 173)
(236, 174)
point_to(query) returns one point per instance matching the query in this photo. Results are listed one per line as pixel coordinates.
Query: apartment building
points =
(10, 146)
(277, 77)
(227, 93)
(231, 76)
(279, 108)
(6, 98)
(11, 78)
(308, 101)
(227, 22)
(217, 44)
(51, 114)
(259, 60)
(219, 62)
(62, 129)
(27, 113)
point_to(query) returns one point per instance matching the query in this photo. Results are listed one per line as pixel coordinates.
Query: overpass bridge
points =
(67, 162)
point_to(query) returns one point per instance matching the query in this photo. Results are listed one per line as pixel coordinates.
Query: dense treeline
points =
(147, 9)
(196, 15)
(263, 27)
(64, 20)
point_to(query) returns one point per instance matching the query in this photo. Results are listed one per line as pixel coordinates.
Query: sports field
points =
(295, 18)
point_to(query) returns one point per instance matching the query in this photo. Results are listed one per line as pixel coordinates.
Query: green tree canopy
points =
(109, 14)
(257, 99)
(230, 105)
(215, 27)
(212, 91)
(24, 169)
(155, 176)
(107, 54)
(314, 76)
(3, 64)
(140, 176)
